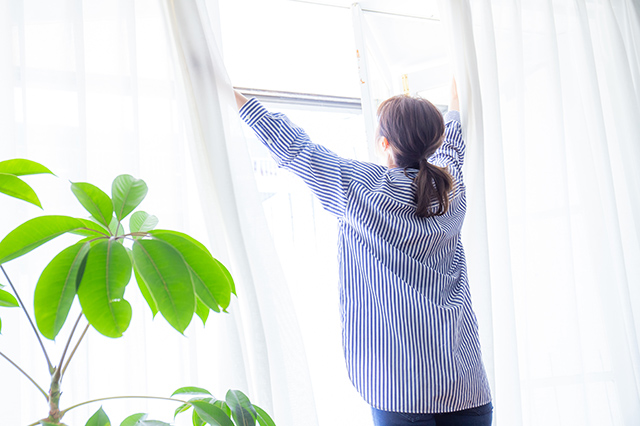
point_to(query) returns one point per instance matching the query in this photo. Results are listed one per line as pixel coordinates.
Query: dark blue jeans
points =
(479, 416)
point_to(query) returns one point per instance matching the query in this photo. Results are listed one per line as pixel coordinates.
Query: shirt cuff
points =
(252, 112)
(452, 115)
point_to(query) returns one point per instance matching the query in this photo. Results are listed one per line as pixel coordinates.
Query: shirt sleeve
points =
(327, 175)
(451, 152)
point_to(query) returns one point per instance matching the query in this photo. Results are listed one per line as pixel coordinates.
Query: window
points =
(305, 237)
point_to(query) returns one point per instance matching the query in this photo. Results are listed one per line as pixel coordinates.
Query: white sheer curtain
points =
(550, 102)
(270, 353)
(88, 89)
(551, 96)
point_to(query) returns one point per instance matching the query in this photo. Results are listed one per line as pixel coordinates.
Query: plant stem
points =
(136, 234)
(35, 330)
(63, 412)
(73, 330)
(99, 238)
(27, 376)
(74, 351)
(54, 391)
(54, 397)
(130, 235)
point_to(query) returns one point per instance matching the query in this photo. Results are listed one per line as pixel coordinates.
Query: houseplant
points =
(175, 273)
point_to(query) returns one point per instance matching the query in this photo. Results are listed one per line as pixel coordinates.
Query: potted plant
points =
(175, 273)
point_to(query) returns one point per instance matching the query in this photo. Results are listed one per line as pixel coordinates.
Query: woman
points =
(410, 336)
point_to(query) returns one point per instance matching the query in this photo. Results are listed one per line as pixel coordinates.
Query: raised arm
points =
(327, 174)
(451, 152)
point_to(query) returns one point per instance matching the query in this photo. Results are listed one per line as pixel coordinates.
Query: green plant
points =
(175, 273)
(13, 186)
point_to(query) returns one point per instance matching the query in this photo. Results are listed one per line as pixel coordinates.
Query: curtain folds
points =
(88, 90)
(273, 369)
(485, 236)
(550, 94)
(550, 99)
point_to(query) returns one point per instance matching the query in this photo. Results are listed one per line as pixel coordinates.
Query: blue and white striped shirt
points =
(410, 336)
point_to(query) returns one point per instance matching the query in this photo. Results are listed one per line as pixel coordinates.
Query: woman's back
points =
(409, 332)
(382, 209)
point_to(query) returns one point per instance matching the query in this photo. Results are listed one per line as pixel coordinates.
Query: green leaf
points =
(243, 412)
(56, 289)
(127, 192)
(162, 268)
(212, 283)
(99, 419)
(97, 225)
(202, 311)
(94, 200)
(141, 420)
(142, 222)
(227, 274)
(181, 409)
(203, 399)
(15, 187)
(146, 293)
(115, 227)
(197, 421)
(21, 167)
(202, 247)
(91, 229)
(191, 390)
(223, 406)
(83, 265)
(222, 268)
(263, 417)
(107, 272)
(7, 300)
(133, 419)
(0, 325)
(33, 233)
(211, 414)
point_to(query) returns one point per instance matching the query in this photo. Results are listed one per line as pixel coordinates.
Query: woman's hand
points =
(454, 102)
(240, 99)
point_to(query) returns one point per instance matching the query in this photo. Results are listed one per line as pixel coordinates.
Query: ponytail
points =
(433, 184)
(415, 128)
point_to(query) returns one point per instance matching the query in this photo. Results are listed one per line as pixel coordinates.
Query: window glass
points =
(305, 237)
(289, 46)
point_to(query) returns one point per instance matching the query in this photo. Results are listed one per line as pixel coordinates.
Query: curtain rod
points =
(401, 15)
(301, 98)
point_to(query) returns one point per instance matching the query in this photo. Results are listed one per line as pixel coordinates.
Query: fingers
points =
(240, 99)
(454, 102)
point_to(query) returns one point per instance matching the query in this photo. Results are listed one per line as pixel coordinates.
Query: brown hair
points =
(414, 128)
